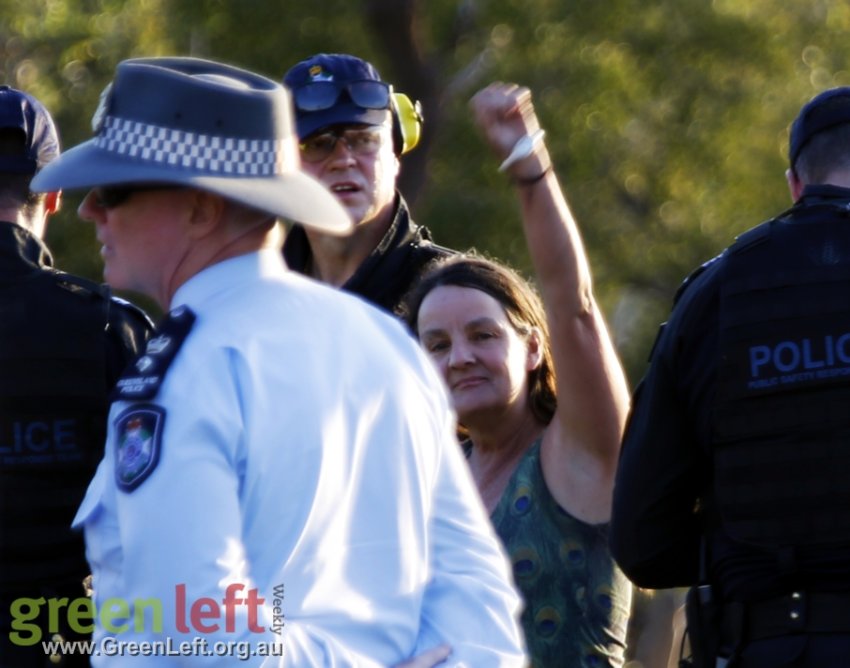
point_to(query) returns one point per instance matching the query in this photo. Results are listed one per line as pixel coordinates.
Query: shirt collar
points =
(226, 275)
(825, 190)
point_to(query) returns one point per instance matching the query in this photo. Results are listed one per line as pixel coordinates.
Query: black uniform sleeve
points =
(127, 331)
(655, 529)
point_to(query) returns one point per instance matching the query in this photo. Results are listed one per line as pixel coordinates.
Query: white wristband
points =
(523, 148)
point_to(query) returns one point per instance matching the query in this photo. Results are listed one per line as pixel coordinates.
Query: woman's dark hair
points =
(520, 301)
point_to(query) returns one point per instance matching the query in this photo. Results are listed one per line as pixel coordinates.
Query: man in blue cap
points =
(735, 471)
(63, 344)
(353, 130)
(281, 477)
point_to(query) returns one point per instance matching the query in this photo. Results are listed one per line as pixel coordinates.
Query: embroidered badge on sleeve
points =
(138, 441)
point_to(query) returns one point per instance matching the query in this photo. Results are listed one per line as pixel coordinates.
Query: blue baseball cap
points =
(336, 89)
(23, 112)
(822, 112)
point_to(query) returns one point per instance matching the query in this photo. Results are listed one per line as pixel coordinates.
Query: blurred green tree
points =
(667, 119)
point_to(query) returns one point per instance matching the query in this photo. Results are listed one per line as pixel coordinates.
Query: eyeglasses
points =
(360, 141)
(319, 95)
(109, 197)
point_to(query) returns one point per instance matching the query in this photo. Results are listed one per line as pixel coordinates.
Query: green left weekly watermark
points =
(116, 615)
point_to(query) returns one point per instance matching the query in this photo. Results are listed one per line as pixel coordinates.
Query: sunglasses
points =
(360, 141)
(320, 95)
(109, 197)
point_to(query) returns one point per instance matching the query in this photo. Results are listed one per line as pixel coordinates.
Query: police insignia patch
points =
(138, 439)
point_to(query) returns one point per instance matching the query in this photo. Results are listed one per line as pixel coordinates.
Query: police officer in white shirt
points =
(281, 475)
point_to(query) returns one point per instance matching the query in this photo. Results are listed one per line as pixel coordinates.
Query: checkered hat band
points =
(190, 150)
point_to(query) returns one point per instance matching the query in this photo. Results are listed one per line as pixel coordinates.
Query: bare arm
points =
(582, 443)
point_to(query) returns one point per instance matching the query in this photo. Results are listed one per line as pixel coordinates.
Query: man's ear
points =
(205, 214)
(52, 202)
(795, 185)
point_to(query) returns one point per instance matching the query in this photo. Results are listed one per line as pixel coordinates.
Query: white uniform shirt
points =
(307, 451)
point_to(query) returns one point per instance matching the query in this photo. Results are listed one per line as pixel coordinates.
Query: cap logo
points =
(318, 74)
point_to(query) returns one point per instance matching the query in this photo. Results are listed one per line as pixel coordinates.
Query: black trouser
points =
(797, 651)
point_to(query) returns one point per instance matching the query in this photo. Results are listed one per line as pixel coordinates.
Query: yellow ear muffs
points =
(407, 125)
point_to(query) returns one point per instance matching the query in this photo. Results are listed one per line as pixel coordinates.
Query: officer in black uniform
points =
(340, 103)
(735, 470)
(63, 343)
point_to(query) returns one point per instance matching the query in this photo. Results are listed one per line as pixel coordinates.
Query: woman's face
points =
(483, 359)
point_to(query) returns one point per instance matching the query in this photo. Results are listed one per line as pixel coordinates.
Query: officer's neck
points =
(840, 178)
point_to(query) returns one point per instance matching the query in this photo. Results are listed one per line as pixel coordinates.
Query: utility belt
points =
(717, 632)
(789, 614)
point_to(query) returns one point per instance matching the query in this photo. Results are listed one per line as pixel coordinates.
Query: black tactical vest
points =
(53, 406)
(781, 442)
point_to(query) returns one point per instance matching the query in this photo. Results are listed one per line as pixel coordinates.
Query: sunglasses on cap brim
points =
(320, 95)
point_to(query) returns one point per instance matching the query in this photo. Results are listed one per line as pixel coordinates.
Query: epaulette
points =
(689, 281)
(80, 285)
(138, 311)
(751, 237)
(743, 241)
(142, 379)
(424, 239)
(437, 250)
(85, 287)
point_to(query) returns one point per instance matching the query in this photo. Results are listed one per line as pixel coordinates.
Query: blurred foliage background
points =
(667, 119)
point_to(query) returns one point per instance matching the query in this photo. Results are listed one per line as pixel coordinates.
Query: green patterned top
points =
(577, 599)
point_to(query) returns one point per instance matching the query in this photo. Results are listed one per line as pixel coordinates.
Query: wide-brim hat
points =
(202, 124)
